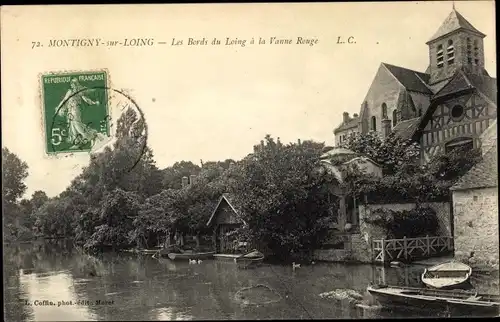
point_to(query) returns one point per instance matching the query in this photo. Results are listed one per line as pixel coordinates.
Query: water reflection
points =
(135, 287)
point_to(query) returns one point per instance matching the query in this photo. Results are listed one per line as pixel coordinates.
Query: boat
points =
(447, 275)
(251, 258)
(190, 255)
(142, 251)
(428, 299)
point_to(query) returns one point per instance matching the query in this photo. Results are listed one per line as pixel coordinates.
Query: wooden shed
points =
(225, 219)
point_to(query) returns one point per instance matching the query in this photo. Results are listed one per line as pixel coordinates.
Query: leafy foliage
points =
(417, 222)
(283, 204)
(15, 171)
(394, 154)
(405, 179)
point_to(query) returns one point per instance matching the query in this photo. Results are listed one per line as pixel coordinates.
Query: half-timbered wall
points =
(447, 125)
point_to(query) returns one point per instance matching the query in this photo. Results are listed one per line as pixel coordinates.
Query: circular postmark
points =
(93, 118)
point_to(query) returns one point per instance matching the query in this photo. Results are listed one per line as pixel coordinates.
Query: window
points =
(457, 112)
(374, 123)
(450, 52)
(439, 56)
(384, 111)
(469, 51)
(394, 118)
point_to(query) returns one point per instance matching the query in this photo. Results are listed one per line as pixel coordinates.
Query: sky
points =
(215, 102)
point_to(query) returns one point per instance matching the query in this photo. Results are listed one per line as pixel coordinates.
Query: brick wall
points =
(476, 224)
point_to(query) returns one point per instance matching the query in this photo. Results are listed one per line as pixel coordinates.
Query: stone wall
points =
(442, 209)
(384, 89)
(356, 249)
(476, 224)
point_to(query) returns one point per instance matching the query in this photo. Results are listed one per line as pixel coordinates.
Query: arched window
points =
(384, 111)
(374, 123)
(450, 52)
(394, 118)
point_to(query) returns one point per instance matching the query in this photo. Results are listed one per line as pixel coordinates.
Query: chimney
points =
(355, 115)
(386, 127)
(346, 117)
(185, 181)
(298, 142)
(192, 179)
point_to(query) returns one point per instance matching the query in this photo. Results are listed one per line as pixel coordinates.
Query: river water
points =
(56, 282)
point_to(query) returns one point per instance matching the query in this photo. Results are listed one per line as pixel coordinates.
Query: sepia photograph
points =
(250, 161)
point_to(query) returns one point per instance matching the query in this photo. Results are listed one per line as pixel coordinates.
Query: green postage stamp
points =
(75, 110)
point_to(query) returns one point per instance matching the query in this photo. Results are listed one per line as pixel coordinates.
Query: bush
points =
(417, 222)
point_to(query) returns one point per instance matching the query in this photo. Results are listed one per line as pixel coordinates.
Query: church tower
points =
(456, 45)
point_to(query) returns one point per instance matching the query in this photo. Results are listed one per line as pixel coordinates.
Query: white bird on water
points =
(199, 261)
(294, 266)
(192, 261)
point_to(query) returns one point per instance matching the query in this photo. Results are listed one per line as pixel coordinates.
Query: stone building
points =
(475, 206)
(449, 105)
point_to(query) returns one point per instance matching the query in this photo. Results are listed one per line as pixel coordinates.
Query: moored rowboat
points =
(447, 275)
(252, 258)
(188, 255)
(429, 299)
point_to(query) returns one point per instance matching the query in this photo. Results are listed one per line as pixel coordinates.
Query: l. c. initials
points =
(350, 40)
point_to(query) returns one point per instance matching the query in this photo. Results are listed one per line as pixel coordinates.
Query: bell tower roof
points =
(455, 21)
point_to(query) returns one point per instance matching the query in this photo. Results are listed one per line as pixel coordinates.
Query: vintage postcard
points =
(249, 161)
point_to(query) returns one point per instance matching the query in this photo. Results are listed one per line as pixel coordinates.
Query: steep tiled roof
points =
(485, 85)
(454, 22)
(482, 175)
(353, 122)
(462, 81)
(410, 79)
(406, 129)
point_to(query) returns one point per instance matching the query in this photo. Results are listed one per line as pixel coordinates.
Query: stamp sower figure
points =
(78, 132)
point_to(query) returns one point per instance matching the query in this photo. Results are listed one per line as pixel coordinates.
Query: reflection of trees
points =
(15, 256)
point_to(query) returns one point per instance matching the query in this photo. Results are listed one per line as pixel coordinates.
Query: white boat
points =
(447, 275)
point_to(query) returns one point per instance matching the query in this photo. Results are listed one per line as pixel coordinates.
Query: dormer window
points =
(384, 111)
(439, 56)
(450, 52)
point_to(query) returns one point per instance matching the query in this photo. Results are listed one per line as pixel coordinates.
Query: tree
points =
(393, 153)
(284, 205)
(38, 198)
(14, 172)
(172, 176)
(117, 212)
